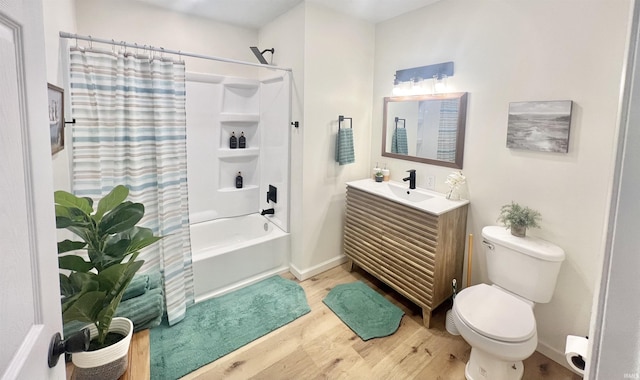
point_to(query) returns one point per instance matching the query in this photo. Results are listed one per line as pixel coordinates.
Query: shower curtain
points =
(131, 129)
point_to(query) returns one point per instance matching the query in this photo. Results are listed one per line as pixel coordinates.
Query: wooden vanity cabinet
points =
(416, 253)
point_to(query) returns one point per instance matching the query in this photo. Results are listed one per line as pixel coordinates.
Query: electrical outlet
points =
(431, 182)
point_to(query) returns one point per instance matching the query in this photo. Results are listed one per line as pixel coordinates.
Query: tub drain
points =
(266, 226)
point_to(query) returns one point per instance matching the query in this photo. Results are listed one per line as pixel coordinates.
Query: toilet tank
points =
(527, 266)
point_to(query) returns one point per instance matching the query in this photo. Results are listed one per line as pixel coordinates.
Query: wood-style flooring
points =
(319, 346)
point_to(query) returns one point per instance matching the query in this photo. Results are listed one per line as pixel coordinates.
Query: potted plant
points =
(518, 218)
(379, 176)
(92, 284)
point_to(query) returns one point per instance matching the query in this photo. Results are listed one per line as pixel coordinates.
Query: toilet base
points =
(483, 366)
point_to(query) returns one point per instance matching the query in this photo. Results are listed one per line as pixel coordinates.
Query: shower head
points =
(259, 54)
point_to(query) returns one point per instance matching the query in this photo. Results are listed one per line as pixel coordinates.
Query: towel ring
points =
(342, 118)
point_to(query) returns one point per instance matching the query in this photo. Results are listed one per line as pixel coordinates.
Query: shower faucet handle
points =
(272, 194)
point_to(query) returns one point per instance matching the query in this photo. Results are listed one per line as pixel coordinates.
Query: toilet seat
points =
(495, 314)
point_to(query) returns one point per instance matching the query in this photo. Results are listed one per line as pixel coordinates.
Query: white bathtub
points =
(230, 253)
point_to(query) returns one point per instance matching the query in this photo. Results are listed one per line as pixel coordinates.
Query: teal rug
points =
(366, 312)
(216, 327)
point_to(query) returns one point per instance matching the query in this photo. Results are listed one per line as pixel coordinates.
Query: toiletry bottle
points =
(242, 141)
(375, 170)
(233, 141)
(385, 173)
(239, 181)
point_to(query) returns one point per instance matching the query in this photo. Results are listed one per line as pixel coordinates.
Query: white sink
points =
(422, 199)
(411, 195)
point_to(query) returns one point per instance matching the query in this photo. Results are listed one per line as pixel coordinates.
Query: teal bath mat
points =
(216, 327)
(366, 312)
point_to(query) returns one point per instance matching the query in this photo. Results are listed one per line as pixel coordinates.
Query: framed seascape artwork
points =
(541, 126)
(56, 117)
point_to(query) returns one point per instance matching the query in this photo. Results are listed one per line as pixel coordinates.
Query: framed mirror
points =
(425, 128)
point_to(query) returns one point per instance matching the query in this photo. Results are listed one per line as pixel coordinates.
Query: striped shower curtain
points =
(131, 129)
(448, 130)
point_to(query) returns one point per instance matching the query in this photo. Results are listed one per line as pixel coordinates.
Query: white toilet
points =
(497, 320)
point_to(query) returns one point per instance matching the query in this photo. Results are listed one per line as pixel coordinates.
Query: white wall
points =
(339, 53)
(136, 22)
(507, 51)
(59, 15)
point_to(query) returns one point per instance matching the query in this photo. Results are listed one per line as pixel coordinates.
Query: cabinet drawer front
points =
(393, 242)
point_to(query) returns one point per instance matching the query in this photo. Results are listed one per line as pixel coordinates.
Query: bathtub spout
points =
(268, 211)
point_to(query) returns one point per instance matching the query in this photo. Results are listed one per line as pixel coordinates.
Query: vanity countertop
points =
(425, 200)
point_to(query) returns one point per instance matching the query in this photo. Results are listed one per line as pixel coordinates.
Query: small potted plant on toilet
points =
(518, 218)
(92, 284)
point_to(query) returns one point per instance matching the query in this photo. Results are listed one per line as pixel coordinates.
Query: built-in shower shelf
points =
(231, 117)
(232, 153)
(233, 189)
(241, 83)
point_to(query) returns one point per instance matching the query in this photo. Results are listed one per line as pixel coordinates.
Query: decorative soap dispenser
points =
(233, 141)
(239, 181)
(242, 141)
(385, 173)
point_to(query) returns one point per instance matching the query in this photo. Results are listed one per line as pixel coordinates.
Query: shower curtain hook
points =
(76, 41)
(161, 53)
(90, 42)
(113, 46)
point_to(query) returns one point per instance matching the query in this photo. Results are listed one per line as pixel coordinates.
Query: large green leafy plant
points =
(92, 290)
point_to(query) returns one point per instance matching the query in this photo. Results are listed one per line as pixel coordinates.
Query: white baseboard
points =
(303, 274)
(554, 355)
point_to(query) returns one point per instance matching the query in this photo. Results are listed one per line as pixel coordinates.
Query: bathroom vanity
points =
(412, 240)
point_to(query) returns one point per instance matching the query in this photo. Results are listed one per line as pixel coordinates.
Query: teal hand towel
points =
(137, 287)
(149, 324)
(144, 305)
(155, 280)
(142, 309)
(141, 283)
(399, 141)
(344, 147)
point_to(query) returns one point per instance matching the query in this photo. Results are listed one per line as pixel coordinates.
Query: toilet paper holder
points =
(576, 352)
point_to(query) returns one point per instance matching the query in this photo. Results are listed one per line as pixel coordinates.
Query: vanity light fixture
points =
(439, 83)
(422, 80)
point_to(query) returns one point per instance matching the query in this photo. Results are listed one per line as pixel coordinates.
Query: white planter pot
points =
(109, 362)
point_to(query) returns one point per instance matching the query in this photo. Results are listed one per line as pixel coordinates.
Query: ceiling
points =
(256, 13)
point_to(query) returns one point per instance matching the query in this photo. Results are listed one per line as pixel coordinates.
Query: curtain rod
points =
(163, 50)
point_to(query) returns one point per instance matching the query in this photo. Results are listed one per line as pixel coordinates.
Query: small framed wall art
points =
(540, 125)
(56, 117)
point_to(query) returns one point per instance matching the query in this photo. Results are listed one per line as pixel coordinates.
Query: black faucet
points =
(268, 211)
(411, 178)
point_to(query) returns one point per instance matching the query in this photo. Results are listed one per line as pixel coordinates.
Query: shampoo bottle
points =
(242, 141)
(233, 141)
(239, 181)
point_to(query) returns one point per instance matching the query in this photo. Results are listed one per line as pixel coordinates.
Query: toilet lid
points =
(495, 313)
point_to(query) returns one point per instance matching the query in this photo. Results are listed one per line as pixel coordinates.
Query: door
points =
(29, 295)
